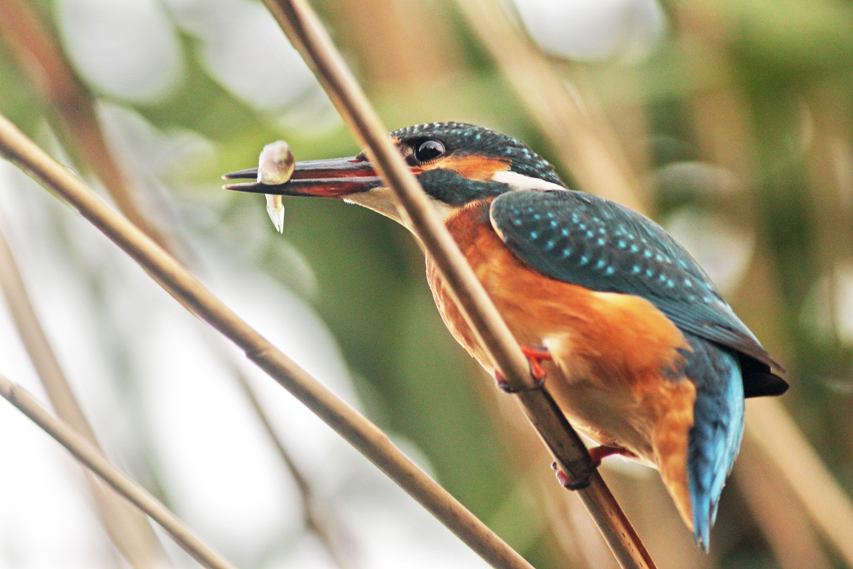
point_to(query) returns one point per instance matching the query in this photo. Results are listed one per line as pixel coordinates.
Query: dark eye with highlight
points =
(428, 150)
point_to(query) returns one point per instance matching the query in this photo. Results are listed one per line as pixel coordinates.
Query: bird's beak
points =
(333, 178)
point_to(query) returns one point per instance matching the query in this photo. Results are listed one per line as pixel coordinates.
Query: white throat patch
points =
(384, 201)
(518, 181)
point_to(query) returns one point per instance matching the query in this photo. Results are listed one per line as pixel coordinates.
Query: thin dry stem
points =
(330, 534)
(825, 501)
(578, 132)
(39, 57)
(127, 527)
(305, 32)
(786, 526)
(42, 59)
(350, 424)
(89, 455)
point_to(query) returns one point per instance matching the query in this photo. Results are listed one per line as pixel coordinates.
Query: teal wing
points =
(598, 244)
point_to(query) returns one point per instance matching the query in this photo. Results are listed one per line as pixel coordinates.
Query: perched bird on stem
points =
(630, 336)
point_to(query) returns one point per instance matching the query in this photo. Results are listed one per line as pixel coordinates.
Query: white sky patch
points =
(584, 30)
(242, 47)
(223, 476)
(148, 151)
(128, 49)
(721, 248)
(47, 520)
(828, 309)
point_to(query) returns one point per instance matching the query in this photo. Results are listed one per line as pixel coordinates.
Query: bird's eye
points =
(429, 150)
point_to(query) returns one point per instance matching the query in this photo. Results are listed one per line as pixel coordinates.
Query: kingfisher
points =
(640, 351)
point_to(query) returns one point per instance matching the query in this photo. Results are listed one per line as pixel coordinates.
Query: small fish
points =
(275, 166)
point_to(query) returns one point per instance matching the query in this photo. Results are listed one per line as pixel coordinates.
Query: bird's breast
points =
(617, 365)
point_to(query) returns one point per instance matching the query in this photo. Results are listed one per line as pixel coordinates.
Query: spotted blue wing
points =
(586, 240)
(714, 440)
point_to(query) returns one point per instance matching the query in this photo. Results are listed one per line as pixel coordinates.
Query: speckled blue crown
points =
(471, 139)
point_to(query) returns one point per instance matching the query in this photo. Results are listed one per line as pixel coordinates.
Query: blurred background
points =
(727, 121)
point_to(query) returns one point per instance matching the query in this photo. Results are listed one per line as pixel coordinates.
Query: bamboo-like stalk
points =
(829, 507)
(348, 423)
(305, 32)
(329, 534)
(89, 455)
(73, 107)
(786, 526)
(41, 59)
(128, 530)
(578, 132)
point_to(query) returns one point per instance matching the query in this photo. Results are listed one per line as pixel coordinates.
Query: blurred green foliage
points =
(786, 65)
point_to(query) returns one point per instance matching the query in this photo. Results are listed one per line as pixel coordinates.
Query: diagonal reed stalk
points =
(821, 497)
(90, 455)
(576, 129)
(74, 115)
(305, 32)
(540, 408)
(126, 527)
(172, 276)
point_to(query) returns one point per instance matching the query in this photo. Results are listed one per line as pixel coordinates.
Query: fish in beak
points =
(352, 180)
(333, 178)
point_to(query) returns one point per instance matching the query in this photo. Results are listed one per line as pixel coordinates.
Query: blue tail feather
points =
(715, 438)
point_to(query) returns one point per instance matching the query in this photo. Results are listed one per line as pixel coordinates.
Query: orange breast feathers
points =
(626, 335)
(617, 369)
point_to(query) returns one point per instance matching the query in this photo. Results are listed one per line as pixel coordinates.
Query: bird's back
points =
(624, 372)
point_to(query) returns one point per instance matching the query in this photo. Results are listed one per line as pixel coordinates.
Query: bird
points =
(630, 336)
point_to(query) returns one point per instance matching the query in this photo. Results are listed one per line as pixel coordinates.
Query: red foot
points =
(535, 355)
(603, 451)
(596, 454)
(574, 483)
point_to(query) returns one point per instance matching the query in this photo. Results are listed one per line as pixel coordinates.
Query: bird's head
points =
(455, 163)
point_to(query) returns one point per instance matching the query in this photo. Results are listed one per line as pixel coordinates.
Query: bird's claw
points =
(506, 386)
(535, 355)
(578, 483)
(595, 456)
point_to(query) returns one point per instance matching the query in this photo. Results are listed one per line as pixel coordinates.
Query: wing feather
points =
(598, 244)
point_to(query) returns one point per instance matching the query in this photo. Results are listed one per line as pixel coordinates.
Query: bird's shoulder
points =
(587, 240)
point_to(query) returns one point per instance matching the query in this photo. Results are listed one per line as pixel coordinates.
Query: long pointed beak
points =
(333, 178)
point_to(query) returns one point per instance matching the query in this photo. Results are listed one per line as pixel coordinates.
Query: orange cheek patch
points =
(472, 166)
